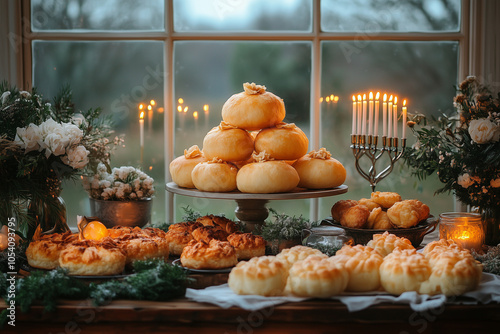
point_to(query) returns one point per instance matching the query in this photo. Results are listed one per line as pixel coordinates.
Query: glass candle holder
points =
(466, 229)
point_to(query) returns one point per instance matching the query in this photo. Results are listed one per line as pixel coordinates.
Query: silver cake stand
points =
(251, 208)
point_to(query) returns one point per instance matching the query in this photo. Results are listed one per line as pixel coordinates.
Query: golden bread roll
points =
(362, 264)
(282, 142)
(404, 270)
(43, 253)
(441, 245)
(422, 209)
(228, 143)
(184, 227)
(355, 217)
(214, 176)
(318, 170)
(254, 108)
(91, 257)
(215, 254)
(340, 207)
(264, 276)
(224, 223)
(181, 167)
(177, 240)
(267, 176)
(247, 245)
(317, 277)
(297, 253)
(385, 199)
(369, 203)
(207, 233)
(378, 220)
(385, 243)
(403, 214)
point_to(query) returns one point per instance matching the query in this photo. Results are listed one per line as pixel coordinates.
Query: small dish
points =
(177, 262)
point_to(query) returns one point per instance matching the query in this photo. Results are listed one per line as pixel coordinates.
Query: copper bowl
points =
(122, 213)
(415, 234)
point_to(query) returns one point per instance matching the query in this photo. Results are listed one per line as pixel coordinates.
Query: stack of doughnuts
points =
(252, 150)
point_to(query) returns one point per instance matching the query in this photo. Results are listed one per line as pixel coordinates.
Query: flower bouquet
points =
(464, 150)
(42, 144)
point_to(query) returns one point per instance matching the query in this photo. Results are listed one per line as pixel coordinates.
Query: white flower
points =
(483, 131)
(28, 138)
(77, 157)
(78, 119)
(56, 144)
(495, 183)
(73, 133)
(24, 94)
(50, 126)
(465, 180)
(5, 96)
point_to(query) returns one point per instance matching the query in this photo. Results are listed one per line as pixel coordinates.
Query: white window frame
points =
(476, 38)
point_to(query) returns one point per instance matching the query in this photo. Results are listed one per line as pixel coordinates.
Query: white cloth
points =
(221, 295)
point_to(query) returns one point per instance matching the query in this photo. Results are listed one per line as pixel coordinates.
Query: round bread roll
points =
(362, 263)
(92, 257)
(247, 245)
(297, 253)
(385, 199)
(378, 220)
(181, 167)
(318, 170)
(254, 108)
(355, 217)
(214, 176)
(317, 277)
(266, 177)
(385, 243)
(340, 207)
(228, 143)
(404, 214)
(43, 253)
(264, 276)
(282, 142)
(215, 254)
(404, 270)
(369, 203)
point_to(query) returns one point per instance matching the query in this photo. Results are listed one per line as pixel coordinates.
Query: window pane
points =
(115, 76)
(242, 15)
(208, 73)
(423, 73)
(77, 15)
(373, 16)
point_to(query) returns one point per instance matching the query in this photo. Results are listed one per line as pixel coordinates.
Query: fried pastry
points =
(285, 141)
(385, 199)
(403, 214)
(385, 243)
(228, 143)
(318, 170)
(181, 167)
(422, 209)
(297, 253)
(207, 233)
(264, 276)
(214, 176)
(371, 205)
(247, 245)
(43, 253)
(177, 240)
(225, 223)
(355, 217)
(215, 254)
(340, 207)
(378, 220)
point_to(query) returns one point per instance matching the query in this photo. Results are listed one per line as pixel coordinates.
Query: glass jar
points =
(327, 239)
(465, 228)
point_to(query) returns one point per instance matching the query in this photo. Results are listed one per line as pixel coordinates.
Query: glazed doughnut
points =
(318, 170)
(254, 108)
(181, 167)
(224, 223)
(340, 207)
(282, 142)
(228, 143)
(214, 176)
(385, 199)
(247, 245)
(43, 253)
(215, 254)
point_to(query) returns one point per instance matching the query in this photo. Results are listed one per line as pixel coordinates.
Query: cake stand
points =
(251, 208)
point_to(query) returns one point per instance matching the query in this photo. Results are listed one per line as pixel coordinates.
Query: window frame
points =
(470, 38)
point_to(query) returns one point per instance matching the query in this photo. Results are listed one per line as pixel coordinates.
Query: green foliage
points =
(19, 254)
(284, 227)
(490, 260)
(190, 215)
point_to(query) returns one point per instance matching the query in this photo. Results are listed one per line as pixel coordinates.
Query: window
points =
(117, 54)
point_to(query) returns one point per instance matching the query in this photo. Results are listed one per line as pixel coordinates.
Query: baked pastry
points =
(225, 223)
(264, 276)
(254, 108)
(285, 141)
(378, 220)
(369, 203)
(247, 245)
(362, 263)
(215, 254)
(318, 170)
(385, 243)
(215, 176)
(140, 247)
(422, 209)
(92, 257)
(385, 199)
(181, 167)
(355, 217)
(177, 240)
(266, 176)
(228, 142)
(403, 214)
(297, 253)
(340, 207)
(441, 245)
(184, 227)
(43, 252)
(207, 233)
(160, 237)
(118, 231)
(404, 270)
(317, 277)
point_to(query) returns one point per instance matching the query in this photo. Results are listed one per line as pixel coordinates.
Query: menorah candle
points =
(384, 116)
(370, 114)
(395, 116)
(389, 118)
(377, 105)
(403, 134)
(358, 131)
(363, 122)
(353, 131)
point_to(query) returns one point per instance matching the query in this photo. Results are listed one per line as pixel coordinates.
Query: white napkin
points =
(221, 295)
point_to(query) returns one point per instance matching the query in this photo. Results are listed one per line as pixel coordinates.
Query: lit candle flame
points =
(385, 97)
(195, 115)
(327, 99)
(205, 108)
(364, 97)
(377, 96)
(141, 106)
(179, 108)
(353, 98)
(335, 98)
(395, 100)
(370, 96)
(152, 102)
(359, 97)
(320, 99)
(180, 100)
(150, 108)
(404, 103)
(186, 109)
(465, 235)
(141, 116)
(331, 97)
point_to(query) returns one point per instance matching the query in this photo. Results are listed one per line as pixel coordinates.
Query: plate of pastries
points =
(386, 264)
(253, 150)
(383, 211)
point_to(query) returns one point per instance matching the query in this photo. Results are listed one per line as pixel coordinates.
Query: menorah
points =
(365, 139)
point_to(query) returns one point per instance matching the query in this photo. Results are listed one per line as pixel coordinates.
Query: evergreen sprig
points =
(284, 227)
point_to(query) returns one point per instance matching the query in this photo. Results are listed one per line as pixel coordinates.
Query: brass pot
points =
(122, 213)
